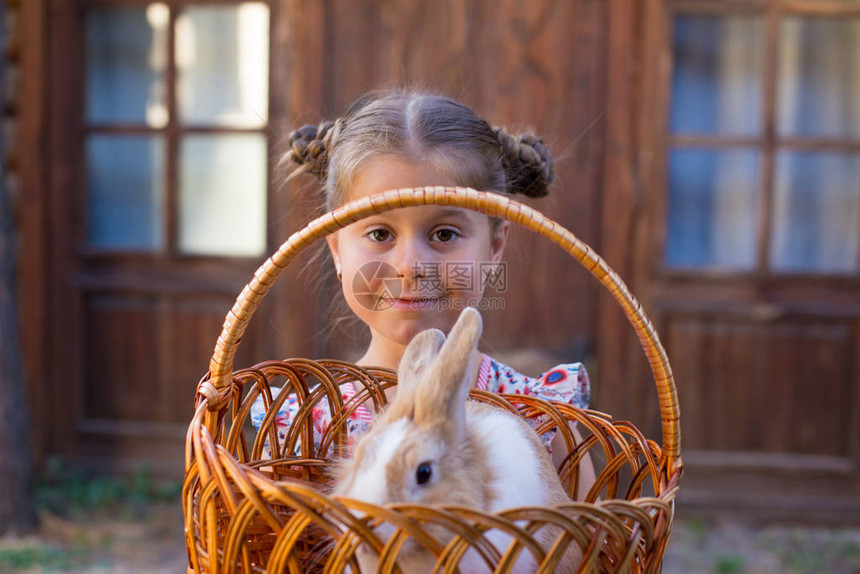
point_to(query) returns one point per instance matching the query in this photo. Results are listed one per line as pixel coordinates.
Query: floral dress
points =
(566, 383)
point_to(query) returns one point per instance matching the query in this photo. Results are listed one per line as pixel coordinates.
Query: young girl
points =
(402, 271)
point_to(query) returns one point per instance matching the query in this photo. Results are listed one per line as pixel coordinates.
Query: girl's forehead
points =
(385, 173)
(429, 213)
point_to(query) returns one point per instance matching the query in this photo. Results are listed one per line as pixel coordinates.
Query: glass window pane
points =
(125, 184)
(819, 77)
(712, 208)
(222, 195)
(717, 83)
(222, 63)
(816, 219)
(126, 59)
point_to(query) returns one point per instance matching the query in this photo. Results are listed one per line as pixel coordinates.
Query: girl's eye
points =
(379, 235)
(423, 473)
(444, 235)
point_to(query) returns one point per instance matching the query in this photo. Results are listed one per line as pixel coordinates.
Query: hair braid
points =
(527, 162)
(309, 147)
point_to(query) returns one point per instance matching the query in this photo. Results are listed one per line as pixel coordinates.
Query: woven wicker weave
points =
(248, 513)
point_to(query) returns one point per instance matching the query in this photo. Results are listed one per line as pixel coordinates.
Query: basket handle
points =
(216, 389)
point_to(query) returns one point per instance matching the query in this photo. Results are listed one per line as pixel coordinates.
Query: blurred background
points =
(709, 150)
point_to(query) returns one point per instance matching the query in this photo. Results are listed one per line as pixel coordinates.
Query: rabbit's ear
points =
(419, 354)
(441, 400)
(415, 364)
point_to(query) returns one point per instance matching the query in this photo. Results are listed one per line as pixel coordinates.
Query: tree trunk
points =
(17, 505)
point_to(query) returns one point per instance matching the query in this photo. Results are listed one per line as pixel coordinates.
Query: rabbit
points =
(431, 445)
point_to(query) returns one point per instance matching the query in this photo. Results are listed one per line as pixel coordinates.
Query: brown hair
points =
(416, 126)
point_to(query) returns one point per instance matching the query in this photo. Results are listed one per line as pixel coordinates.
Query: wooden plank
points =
(810, 8)
(143, 129)
(718, 6)
(64, 152)
(96, 4)
(686, 367)
(797, 143)
(818, 8)
(783, 355)
(853, 428)
(574, 125)
(769, 486)
(119, 277)
(121, 378)
(350, 27)
(835, 508)
(502, 59)
(767, 177)
(619, 204)
(651, 117)
(142, 430)
(792, 395)
(33, 173)
(822, 388)
(146, 353)
(187, 329)
(301, 63)
(118, 453)
(773, 461)
(524, 83)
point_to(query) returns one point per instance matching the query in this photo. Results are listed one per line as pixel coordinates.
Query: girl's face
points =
(412, 268)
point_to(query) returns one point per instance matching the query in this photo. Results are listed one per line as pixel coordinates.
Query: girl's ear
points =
(498, 240)
(440, 402)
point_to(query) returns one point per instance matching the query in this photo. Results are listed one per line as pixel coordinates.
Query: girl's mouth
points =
(405, 304)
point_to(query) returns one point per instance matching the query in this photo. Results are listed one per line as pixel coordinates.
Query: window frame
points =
(768, 143)
(172, 132)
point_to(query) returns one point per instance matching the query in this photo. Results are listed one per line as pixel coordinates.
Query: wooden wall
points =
(537, 65)
(114, 349)
(116, 345)
(765, 363)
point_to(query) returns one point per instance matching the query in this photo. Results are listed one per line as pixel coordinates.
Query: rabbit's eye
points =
(423, 473)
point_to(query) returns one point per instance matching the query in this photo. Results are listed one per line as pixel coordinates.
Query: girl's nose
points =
(411, 258)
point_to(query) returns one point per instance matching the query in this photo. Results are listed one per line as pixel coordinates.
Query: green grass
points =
(729, 565)
(64, 491)
(698, 529)
(806, 551)
(76, 497)
(43, 557)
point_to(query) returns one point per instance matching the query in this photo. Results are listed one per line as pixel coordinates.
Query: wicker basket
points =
(248, 513)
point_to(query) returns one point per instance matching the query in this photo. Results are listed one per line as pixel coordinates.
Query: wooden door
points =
(158, 214)
(739, 183)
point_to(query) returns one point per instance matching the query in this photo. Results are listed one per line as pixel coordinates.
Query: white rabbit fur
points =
(478, 455)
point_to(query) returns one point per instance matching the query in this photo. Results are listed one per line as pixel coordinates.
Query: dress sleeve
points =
(564, 383)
